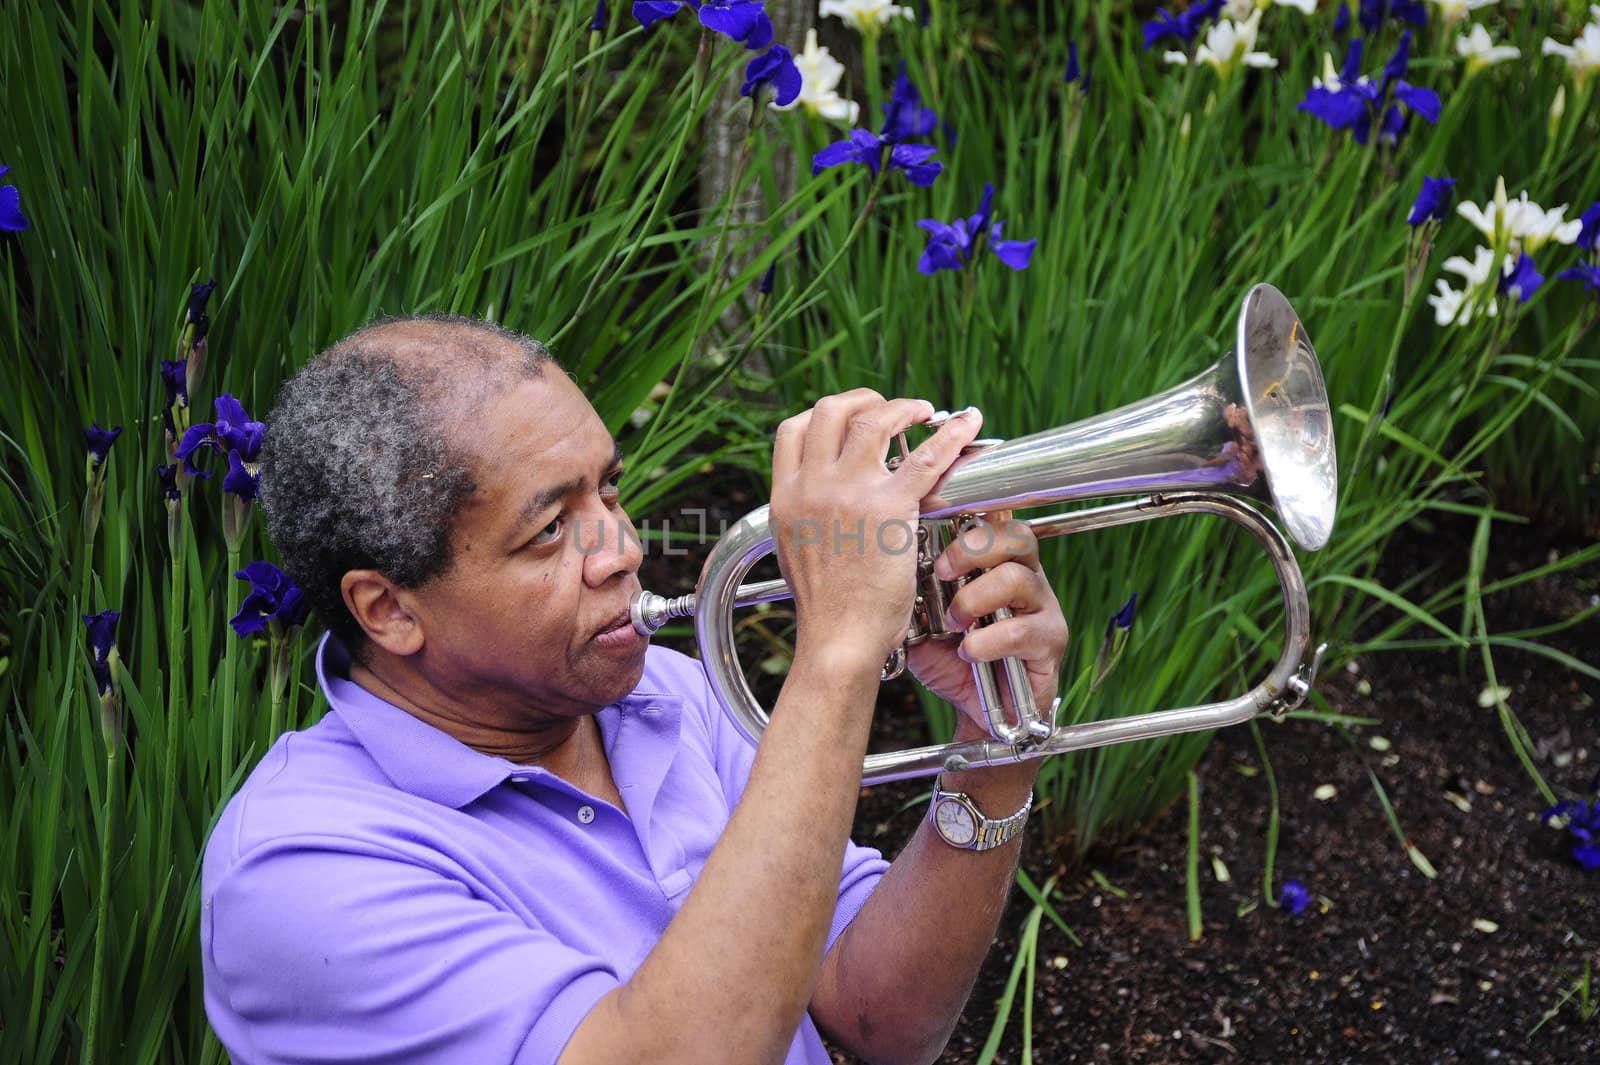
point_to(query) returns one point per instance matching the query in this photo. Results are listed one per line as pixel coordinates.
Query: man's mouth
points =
(617, 632)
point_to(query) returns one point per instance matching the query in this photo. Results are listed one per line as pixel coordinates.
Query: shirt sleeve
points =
(336, 950)
(863, 866)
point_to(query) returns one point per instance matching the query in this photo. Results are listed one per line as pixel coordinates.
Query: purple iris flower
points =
(1522, 280)
(175, 375)
(1433, 202)
(241, 480)
(167, 477)
(1341, 21)
(599, 23)
(1373, 13)
(272, 597)
(1589, 235)
(1583, 825)
(102, 641)
(950, 245)
(1588, 274)
(904, 116)
(12, 220)
(100, 441)
(1184, 26)
(773, 69)
(199, 296)
(744, 21)
(1358, 101)
(768, 279)
(233, 434)
(867, 148)
(1294, 897)
(1123, 619)
(1074, 72)
(649, 12)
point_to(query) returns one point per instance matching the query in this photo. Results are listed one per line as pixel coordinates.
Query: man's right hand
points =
(844, 525)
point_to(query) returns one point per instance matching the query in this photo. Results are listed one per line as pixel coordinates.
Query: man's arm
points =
(895, 982)
(733, 974)
(897, 978)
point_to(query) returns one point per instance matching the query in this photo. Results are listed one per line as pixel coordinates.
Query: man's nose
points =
(610, 546)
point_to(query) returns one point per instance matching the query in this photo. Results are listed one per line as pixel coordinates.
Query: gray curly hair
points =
(358, 469)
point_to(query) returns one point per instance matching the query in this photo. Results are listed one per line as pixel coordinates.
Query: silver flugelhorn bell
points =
(1255, 425)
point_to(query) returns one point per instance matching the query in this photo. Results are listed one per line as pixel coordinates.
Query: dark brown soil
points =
(1386, 965)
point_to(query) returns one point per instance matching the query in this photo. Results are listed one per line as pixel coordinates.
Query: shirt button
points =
(519, 780)
(585, 814)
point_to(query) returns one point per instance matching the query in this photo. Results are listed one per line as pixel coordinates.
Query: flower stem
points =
(176, 692)
(1385, 382)
(869, 64)
(97, 979)
(230, 651)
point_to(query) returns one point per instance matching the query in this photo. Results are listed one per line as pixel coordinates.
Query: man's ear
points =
(380, 608)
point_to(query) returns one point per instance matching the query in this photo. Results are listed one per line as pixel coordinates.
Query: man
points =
(521, 834)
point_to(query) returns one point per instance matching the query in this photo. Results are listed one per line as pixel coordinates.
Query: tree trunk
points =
(726, 124)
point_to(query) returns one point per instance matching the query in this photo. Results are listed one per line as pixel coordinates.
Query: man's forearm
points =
(895, 982)
(754, 926)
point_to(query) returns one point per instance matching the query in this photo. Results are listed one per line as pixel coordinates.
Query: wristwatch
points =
(960, 823)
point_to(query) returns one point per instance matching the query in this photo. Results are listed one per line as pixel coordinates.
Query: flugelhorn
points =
(1256, 425)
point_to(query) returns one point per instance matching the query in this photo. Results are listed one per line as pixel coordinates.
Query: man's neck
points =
(555, 745)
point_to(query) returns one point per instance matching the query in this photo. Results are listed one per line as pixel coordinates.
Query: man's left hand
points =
(1008, 553)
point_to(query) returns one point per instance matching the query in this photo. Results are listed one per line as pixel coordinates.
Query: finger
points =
(995, 539)
(923, 467)
(867, 439)
(788, 447)
(1011, 585)
(830, 418)
(1038, 639)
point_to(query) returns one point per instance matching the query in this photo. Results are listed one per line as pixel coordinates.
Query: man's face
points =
(530, 622)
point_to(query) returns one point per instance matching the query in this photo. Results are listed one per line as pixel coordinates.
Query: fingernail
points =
(965, 412)
(941, 568)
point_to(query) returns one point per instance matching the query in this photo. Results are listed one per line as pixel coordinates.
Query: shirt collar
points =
(423, 760)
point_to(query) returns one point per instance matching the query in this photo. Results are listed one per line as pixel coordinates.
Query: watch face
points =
(955, 822)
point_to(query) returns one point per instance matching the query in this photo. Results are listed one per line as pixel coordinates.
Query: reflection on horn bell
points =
(1255, 425)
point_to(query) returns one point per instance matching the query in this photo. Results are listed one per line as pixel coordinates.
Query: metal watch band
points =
(991, 833)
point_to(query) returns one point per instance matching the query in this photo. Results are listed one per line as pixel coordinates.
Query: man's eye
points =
(550, 533)
(614, 481)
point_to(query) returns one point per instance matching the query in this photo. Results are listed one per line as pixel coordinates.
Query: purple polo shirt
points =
(379, 892)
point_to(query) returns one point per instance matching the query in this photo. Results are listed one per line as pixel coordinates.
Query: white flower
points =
(819, 83)
(1479, 51)
(1525, 223)
(1228, 44)
(1531, 225)
(1583, 54)
(1488, 219)
(1479, 278)
(1447, 303)
(866, 16)
(1453, 11)
(1476, 273)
